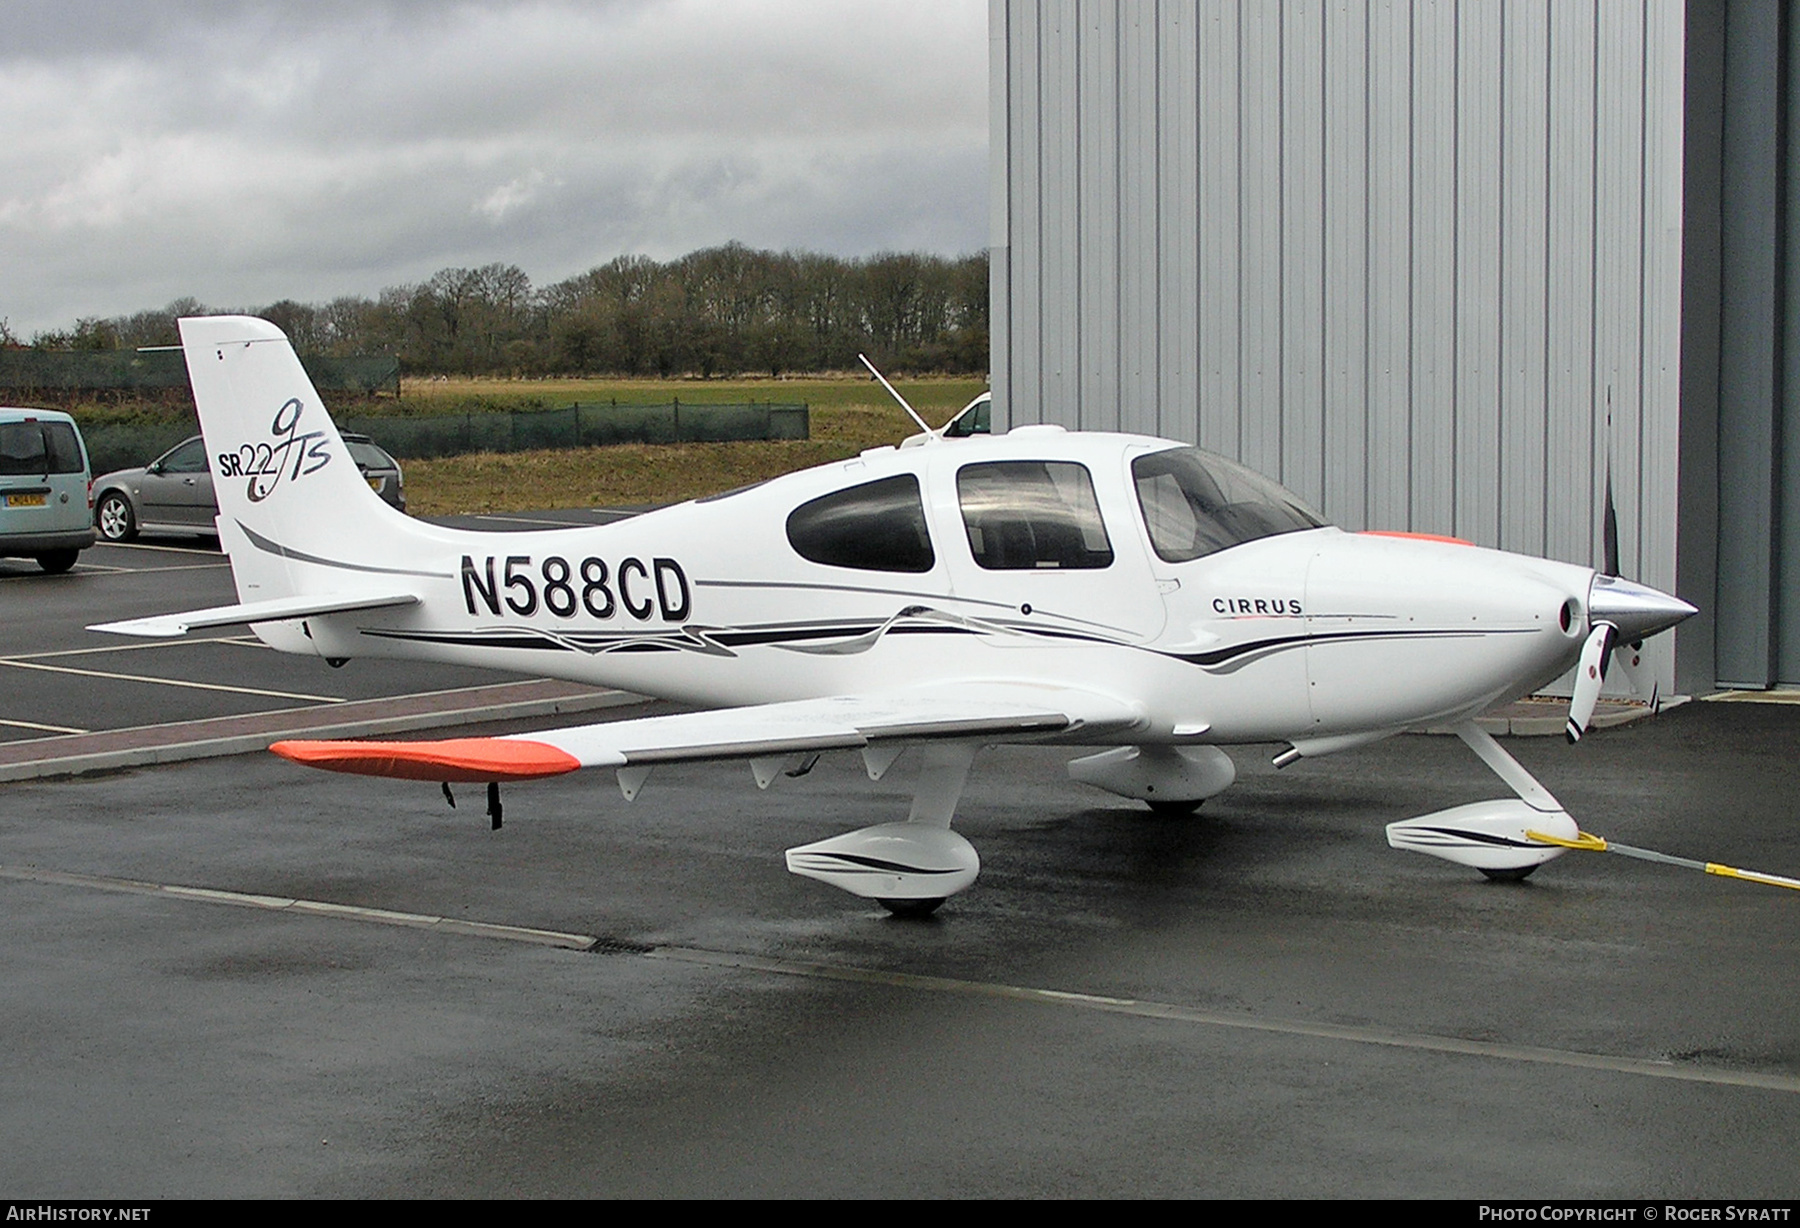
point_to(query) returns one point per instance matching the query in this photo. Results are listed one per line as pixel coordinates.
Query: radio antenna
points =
(895, 393)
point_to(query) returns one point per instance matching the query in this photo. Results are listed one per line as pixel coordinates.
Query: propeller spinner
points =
(1618, 611)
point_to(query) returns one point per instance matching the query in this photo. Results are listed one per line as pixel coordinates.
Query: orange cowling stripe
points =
(1423, 537)
(458, 759)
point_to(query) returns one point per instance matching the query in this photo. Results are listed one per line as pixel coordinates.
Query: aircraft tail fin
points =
(295, 513)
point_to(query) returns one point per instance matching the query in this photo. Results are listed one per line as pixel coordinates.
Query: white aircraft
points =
(1131, 595)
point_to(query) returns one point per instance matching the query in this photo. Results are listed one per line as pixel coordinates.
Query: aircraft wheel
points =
(57, 561)
(911, 908)
(114, 518)
(1172, 809)
(1516, 874)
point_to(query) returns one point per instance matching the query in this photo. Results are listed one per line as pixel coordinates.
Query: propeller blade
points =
(1588, 676)
(1630, 660)
(1609, 520)
(1628, 657)
(1610, 529)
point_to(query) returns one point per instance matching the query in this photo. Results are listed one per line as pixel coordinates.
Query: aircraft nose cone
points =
(1637, 610)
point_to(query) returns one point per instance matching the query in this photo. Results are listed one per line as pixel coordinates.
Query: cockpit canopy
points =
(1038, 515)
(1196, 504)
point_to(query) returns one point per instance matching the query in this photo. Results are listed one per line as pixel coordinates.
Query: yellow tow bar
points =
(1596, 844)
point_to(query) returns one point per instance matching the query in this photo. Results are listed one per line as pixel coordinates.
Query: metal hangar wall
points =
(1423, 261)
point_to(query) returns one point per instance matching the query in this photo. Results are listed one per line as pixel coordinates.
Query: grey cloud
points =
(244, 152)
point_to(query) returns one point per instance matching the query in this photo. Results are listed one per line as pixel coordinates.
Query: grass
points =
(845, 421)
(936, 398)
(624, 475)
(849, 413)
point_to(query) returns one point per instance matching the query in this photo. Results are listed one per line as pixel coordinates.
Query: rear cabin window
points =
(39, 449)
(22, 449)
(878, 526)
(1032, 515)
(63, 447)
(368, 455)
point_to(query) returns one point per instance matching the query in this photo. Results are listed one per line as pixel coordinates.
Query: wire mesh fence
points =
(25, 373)
(581, 425)
(123, 445)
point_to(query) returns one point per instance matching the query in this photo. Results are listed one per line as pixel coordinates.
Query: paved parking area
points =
(232, 976)
(72, 699)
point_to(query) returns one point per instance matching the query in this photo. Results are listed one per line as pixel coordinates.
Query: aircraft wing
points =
(166, 625)
(763, 732)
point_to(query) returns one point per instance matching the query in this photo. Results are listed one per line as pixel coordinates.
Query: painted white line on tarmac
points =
(169, 643)
(1417, 1041)
(147, 546)
(157, 571)
(1420, 1041)
(45, 728)
(180, 682)
(317, 908)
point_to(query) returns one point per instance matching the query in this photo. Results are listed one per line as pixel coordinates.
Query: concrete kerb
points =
(1544, 716)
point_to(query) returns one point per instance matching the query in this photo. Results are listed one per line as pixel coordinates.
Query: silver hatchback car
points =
(174, 492)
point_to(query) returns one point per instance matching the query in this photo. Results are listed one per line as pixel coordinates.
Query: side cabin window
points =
(189, 457)
(1032, 515)
(1195, 504)
(878, 526)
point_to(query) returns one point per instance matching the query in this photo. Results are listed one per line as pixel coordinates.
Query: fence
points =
(124, 445)
(581, 425)
(24, 373)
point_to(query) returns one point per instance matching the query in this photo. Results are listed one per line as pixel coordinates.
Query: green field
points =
(848, 415)
(935, 398)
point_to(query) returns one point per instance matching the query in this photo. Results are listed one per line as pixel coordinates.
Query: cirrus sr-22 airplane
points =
(1144, 600)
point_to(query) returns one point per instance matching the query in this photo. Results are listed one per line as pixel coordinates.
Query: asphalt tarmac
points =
(1263, 1000)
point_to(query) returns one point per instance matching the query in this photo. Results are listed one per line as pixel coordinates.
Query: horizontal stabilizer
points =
(167, 625)
(456, 759)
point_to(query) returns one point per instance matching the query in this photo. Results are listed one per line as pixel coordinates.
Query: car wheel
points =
(114, 517)
(57, 561)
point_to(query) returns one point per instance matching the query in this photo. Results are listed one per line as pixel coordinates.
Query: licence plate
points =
(375, 484)
(23, 500)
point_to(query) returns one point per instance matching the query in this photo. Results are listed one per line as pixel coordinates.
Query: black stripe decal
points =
(1479, 837)
(288, 552)
(1220, 656)
(874, 865)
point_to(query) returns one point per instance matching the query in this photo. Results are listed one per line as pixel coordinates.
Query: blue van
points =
(46, 491)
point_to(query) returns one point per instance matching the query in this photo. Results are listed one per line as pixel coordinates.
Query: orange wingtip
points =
(1418, 537)
(457, 759)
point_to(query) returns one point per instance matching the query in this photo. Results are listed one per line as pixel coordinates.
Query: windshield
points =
(1196, 503)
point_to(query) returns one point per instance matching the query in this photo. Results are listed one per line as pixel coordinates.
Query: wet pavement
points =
(1260, 1000)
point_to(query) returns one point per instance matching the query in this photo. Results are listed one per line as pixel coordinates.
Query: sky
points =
(245, 151)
